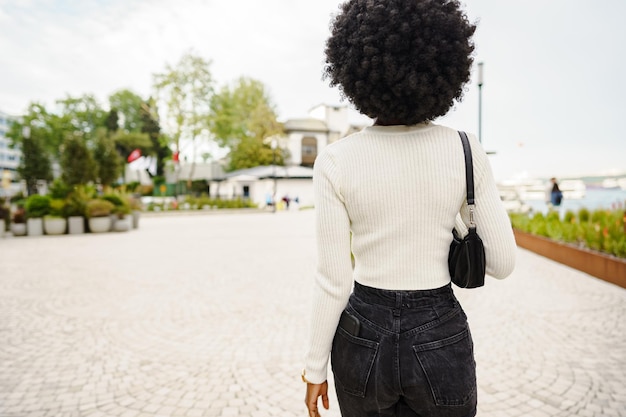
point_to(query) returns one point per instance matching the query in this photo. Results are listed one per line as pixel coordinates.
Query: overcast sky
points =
(553, 94)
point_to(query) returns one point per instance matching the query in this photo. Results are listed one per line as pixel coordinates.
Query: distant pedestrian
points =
(554, 193)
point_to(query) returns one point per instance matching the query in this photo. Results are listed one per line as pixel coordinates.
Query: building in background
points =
(9, 159)
(304, 138)
(308, 136)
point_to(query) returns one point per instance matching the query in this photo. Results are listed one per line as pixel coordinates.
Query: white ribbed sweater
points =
(398, 189)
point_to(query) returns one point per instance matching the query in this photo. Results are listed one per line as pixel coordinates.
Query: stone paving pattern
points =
(206, 316)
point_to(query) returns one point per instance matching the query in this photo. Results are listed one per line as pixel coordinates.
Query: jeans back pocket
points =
(352, 359)
(450, 368)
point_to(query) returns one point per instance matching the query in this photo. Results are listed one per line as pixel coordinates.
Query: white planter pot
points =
(76, 225)
(122, 225)
(100, 224)
(136, 214)
(54, 225)
(113, 218)
(34, 226)
(18, 229)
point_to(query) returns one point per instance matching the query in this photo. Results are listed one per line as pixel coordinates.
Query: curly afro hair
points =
(400, 61)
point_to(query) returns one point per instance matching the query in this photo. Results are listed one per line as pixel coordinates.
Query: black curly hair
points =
(400, 61)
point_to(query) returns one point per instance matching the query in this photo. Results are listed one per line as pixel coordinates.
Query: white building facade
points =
(9, 159)
(307, 137)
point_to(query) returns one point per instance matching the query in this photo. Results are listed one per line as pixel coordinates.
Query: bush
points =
(76, 201)
(5, 215)
(19, 215)
(17, 197)
(116, 200)
(205, 201)
(37, 205)
(121, 205)
(98, 208)
(132, 186)
(57, 208)
(59, 189)
(199, 186)
(584, 215)
(602, 230)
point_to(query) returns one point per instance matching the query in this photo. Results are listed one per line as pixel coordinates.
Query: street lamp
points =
(480, 102)
(274, 144)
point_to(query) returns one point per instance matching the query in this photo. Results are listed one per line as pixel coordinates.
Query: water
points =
(595, 198)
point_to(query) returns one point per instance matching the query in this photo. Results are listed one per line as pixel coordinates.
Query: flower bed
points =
(601, 230)
(594, 243)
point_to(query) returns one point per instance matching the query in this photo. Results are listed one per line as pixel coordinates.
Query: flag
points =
(134, 155)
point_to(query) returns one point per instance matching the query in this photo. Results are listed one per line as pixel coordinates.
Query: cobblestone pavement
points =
(206, 315)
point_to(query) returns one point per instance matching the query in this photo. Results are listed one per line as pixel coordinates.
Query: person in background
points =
(398, 340)
(554, 196)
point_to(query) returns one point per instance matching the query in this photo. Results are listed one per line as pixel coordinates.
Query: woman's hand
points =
(313, 391)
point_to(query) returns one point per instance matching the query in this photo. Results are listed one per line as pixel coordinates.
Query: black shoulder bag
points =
(466, 260)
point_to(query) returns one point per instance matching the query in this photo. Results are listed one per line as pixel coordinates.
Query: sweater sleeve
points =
(333, 282)
(492, 221)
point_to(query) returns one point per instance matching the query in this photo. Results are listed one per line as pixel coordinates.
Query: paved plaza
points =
(205, 315)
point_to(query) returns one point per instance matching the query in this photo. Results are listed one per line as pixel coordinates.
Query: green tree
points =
(242, 119)
(108, 161)
(112, 121)
(150, 126)
(184, 94)
(125, 143)
(251, 152)
(127, 106)
(35, 162)
(46, 126)
(82, 114)
(77, 163)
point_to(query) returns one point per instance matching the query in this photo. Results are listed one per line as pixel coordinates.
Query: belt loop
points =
(396, 310)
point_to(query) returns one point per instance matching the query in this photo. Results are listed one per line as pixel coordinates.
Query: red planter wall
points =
(606, 267)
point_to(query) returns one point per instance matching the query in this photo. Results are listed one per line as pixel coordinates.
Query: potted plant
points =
(18, 221)
(123, 221)
(54, 223)
(98, 212)
(5, 217)
(135, 207)
(75, 209)
(37, 206)
(121, 210)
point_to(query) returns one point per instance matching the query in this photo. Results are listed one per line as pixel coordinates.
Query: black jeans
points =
(412, 357)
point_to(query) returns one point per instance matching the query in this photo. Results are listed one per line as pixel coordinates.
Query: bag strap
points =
(469, 176)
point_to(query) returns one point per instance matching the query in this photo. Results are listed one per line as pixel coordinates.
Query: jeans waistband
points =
(402, 298)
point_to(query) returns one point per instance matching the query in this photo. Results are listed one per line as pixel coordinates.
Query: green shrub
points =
(76, 201)
(37, 205)
(204, 201)
(599, 217)
(19, 215)
(601, 230)
(57, 208)
(99, 208)
(59, 189)
(17, 197)
(569, 217)
(121, 206)
(116, 200)
(132, 186)
(584, 215)
(5, 216)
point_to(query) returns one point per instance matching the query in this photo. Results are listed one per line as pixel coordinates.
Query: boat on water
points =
(531, 190)
(614, 183)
